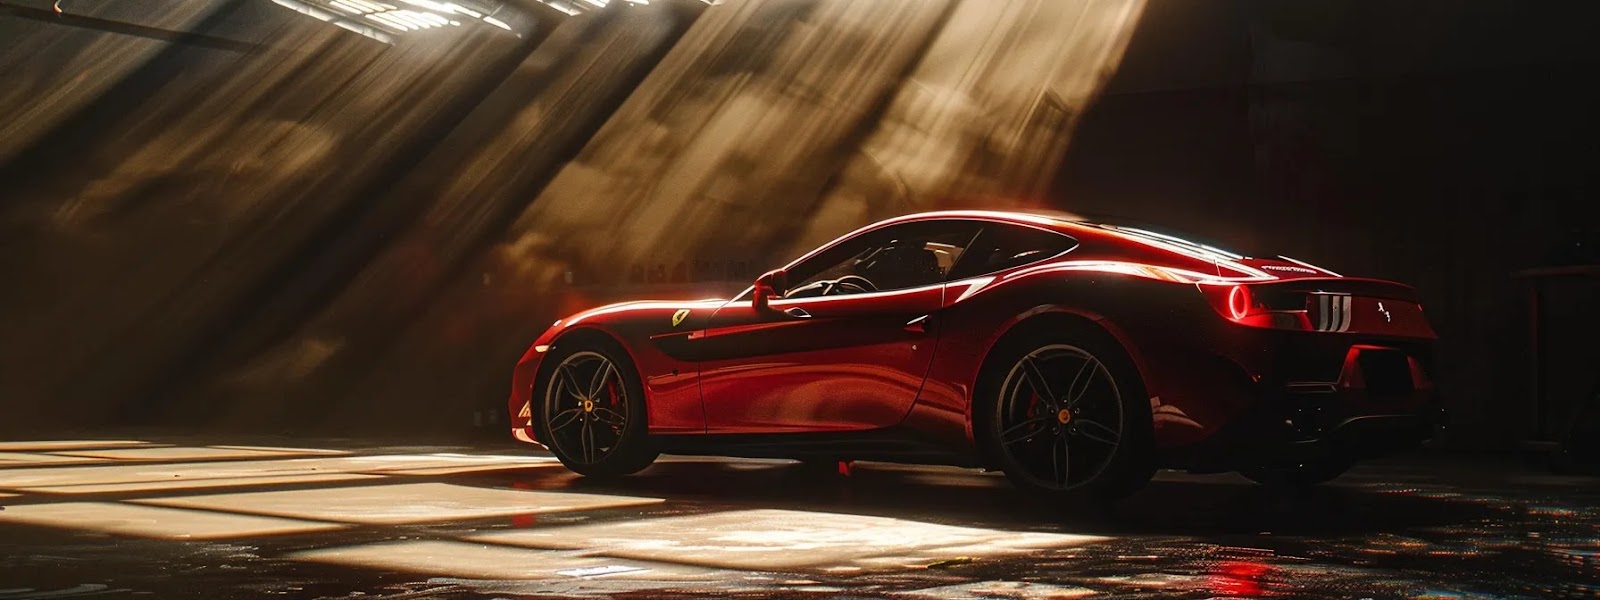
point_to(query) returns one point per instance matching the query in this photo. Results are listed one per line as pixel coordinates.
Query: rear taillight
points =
(1240, 302)
(1257, 307)
(1335, 305)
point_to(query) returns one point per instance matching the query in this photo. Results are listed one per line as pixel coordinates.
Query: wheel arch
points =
(589, 333)
(579, 335)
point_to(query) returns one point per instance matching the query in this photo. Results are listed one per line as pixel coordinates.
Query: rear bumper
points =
(1379, 403)
(1272, 435)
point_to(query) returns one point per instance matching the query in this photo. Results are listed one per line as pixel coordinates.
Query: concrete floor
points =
(171, 518)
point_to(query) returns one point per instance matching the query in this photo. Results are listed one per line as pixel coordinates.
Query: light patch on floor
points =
(180, 453)
(1000, 589)
(17, 459)
(453, 457)
(465, 469)
(35, 477)
(144, 473)
(186, 484)
(481, 561)
(444, 463)
(156, 522)
(47, 445)
(281, 450)
(1156, 580)
(412, 463)
(785, 539)
(5, 495)
(401, 503)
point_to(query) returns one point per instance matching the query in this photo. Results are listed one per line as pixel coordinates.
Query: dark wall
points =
(1443, 144)
(190, 185)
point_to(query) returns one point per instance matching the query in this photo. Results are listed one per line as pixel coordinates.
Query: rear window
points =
(1001, 246)
(1185, 239)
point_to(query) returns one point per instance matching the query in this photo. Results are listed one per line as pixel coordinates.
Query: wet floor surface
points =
(167, 518)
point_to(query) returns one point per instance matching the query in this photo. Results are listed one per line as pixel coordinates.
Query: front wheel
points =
(592, 413)
(1067, 417)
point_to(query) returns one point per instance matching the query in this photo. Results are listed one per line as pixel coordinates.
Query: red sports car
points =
(1076, 357)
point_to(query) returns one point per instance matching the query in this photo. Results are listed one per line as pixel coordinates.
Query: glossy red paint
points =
(1212, 333)
(833, 363)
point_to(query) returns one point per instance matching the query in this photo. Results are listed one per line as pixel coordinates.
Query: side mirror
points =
(771, 284)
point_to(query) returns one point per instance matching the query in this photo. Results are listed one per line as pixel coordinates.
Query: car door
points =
(833, 358)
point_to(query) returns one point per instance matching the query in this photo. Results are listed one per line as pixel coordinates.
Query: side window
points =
(1002, 246)
(896, 257)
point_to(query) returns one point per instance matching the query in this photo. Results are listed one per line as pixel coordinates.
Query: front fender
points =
(671, 390)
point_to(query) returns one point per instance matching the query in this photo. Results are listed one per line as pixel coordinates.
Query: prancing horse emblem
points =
(1387, 318)
(679, 316)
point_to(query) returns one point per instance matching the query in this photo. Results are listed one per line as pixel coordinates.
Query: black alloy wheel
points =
(592, 416)
(1068, 417)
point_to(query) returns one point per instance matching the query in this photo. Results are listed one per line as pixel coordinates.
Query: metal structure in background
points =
(1561, 402)
(383, 20)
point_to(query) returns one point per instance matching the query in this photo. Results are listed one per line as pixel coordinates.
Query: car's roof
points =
(1061, 221)
(1036, 217)
(1109, 230)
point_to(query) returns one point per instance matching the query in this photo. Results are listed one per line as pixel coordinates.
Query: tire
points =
(591, 411)
(1101, 423)
(1299, 475)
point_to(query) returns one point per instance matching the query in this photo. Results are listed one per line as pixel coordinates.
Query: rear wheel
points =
(1067, 416)
(592, 413)
(1298, 475)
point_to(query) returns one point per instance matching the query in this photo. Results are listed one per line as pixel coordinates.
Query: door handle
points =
(918, 325)
(797, 312)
